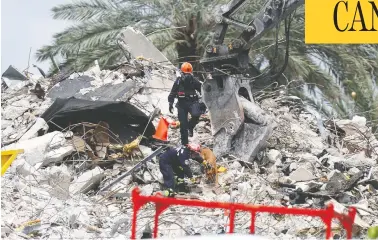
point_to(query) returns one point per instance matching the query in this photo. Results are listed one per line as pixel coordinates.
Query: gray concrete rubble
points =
(58, 176)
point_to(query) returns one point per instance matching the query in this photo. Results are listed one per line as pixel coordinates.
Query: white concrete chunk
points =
(21, 103)
(59, 179)
(274, 155)
(11, 112)
(36, 148)
(78, 185)
(40, 124)
(5, 124)
(301, 174)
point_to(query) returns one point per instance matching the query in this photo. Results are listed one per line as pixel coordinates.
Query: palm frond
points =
(85, 10)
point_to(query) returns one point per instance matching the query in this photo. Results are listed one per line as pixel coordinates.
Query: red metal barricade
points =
(162, 203)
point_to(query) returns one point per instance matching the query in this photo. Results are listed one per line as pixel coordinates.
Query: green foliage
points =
(177, 28)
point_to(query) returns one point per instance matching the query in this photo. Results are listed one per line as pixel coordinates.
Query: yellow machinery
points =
(7, 157)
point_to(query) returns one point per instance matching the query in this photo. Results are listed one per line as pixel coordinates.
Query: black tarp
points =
(124, 119)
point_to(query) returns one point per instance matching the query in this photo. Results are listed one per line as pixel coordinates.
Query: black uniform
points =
(175, 161)
(184, 89)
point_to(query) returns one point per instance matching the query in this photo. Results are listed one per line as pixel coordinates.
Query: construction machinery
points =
(229, 73)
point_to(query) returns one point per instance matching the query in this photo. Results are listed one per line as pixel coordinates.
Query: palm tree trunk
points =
(186, 51)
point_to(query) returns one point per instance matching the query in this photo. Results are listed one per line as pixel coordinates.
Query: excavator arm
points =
(272, 13)
(227, 65)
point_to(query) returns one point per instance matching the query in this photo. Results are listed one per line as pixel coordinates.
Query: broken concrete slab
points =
(5, 124)
(147, 190)
(139, 46)
(59, 179)
(357, 121)
(36, 148)
(57, 154)
(86, 181)
(40, 127)
(347, 198)
(361, 206)
(353, 171)
(22, 167)
(13, 112)
(160, 80)
(23, 103)
(301, 175)
(13, 77)
(252, 139)
(102, 86)
(360, 159)
(309, 186)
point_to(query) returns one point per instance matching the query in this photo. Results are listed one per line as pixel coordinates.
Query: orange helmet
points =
(186, 67)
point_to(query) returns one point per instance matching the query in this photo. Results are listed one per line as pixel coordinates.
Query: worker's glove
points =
(193, 180)
(180, 180)
(206, 165)
(171, 108)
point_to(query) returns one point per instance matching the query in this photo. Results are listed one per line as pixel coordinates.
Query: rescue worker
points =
(184, 89)
(175, 161)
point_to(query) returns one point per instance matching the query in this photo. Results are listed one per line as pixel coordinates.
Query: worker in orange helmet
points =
(184, 89)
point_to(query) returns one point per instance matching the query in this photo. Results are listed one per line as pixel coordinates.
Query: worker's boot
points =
(169, 193)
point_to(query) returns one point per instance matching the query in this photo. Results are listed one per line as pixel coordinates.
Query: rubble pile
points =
(53, 189)
(19, 112)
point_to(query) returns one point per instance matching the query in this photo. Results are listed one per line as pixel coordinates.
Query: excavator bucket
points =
(227, 113)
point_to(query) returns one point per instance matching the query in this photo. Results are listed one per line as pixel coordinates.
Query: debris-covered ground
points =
(56, 181)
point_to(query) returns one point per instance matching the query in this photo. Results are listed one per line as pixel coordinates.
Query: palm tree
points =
(346, 69)
(182, 29)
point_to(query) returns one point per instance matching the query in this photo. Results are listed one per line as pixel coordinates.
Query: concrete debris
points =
(36, 150)
(342, 209)
(40, 127)
(301, 175)
(85, 182)
(58, 177)
(13, 78)
(274, 155)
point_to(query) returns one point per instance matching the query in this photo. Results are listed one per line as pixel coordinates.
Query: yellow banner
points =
(334, 21)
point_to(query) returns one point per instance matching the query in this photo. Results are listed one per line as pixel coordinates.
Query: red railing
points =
(162, 203)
